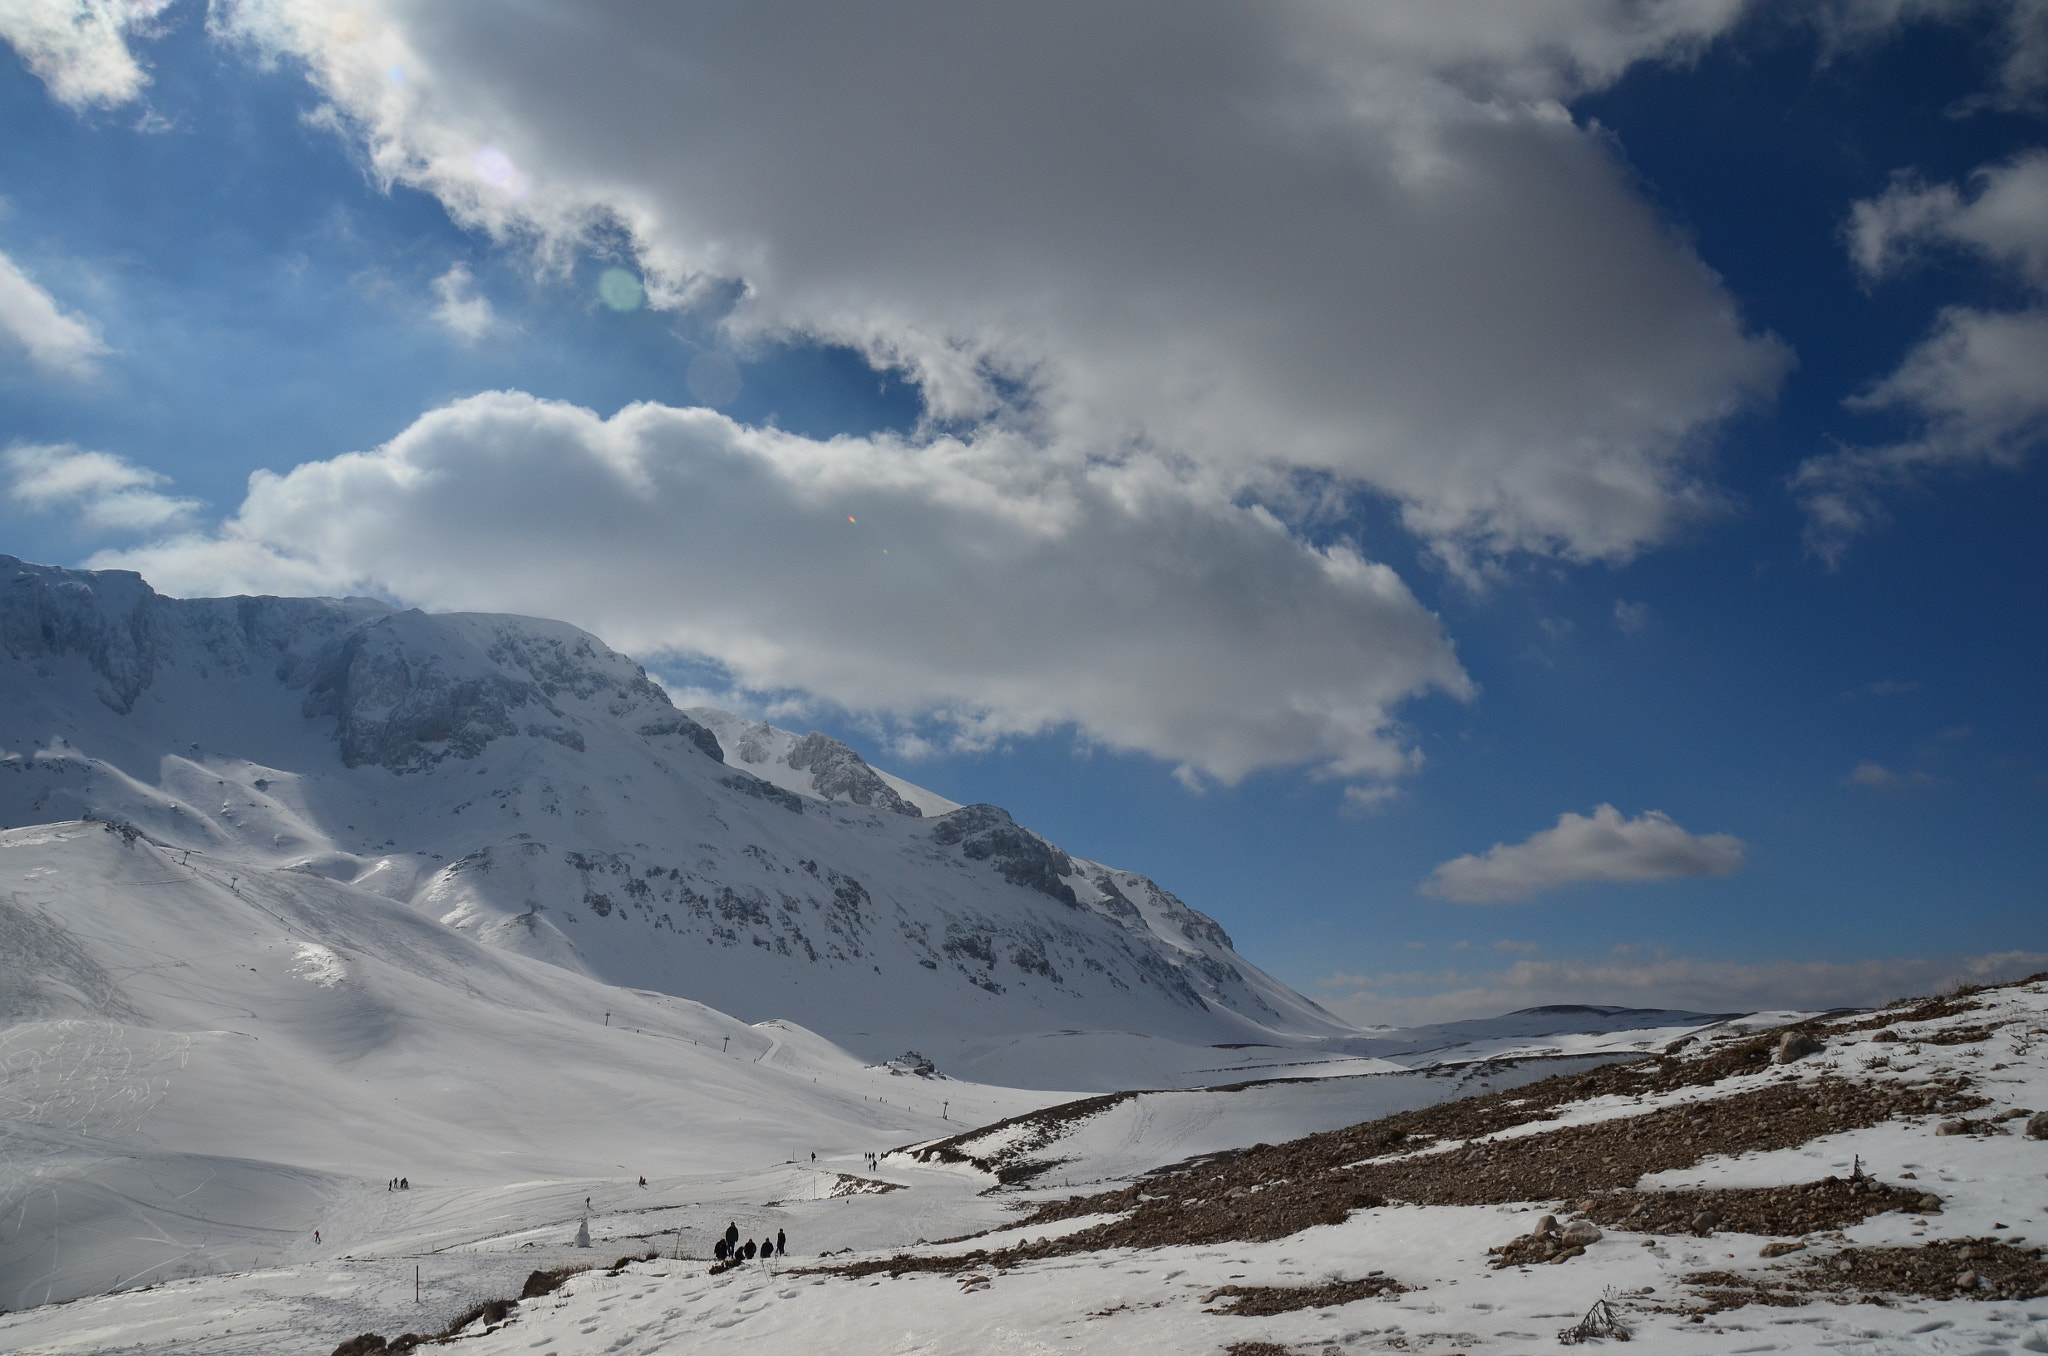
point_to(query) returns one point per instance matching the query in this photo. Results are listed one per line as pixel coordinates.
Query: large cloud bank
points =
(1361, 242)
(884, 574)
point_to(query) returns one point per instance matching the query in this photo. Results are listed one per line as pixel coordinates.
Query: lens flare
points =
(494, 167)
(620, 290)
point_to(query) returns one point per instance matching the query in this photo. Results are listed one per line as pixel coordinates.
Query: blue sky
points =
(1300, 454)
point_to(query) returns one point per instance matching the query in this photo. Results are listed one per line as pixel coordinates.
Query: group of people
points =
(399, 1184)
(730, 1249)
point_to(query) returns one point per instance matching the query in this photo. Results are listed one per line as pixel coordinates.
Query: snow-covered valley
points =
(299, 898)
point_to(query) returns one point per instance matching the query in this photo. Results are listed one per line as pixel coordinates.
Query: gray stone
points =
(2037, 1128)
(1581, 1232)
(1796, 1045)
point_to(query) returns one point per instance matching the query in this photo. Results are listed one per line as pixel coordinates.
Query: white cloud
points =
(1366, 240)
(1602, 847)
(462, 310)
(1631, 617)
(79, 48)
(1626, 979)
(53, 339)
(958, 581)
(108, 493)
(1974, 384)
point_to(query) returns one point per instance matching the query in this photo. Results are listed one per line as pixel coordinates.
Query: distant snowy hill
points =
(522, 783)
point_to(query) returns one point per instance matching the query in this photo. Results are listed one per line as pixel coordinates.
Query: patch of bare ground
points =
(849, 1185)
(1257, 1349)
(1272, 1191)
(1269, 1191)
(1260, 1300)
(1012, 1165)
(1961, 1268)
(1964, 1268)
(1801, 1208)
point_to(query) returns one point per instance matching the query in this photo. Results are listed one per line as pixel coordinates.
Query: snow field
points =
(1993, 1185)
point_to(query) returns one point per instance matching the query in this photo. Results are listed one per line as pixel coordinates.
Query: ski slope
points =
(201, 1067)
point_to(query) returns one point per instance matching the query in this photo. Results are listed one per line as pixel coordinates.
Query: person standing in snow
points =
(732, 1234)
(751, 1250)
(718, 1250)
(781, 1244)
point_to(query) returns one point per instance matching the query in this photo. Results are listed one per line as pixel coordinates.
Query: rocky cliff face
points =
(518, 780)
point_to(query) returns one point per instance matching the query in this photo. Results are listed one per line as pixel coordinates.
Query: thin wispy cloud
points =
(461, 308)
(55, 341)
(1974, 384)
(106, 493)
(1874, 776)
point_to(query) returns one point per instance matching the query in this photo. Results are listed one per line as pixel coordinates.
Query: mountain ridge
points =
(520, 781)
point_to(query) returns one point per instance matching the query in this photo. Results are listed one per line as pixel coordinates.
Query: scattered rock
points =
(1581, 1233)
(2037, 1127)
(1781, 1249)
(1982, 1268)
(1796, 1208)
(1703, 1223)
(1953, 1128)
(1259, 1300)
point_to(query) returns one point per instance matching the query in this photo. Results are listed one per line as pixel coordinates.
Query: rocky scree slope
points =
(518, 780)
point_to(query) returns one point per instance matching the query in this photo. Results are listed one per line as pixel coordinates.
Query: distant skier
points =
(405, 1184)
(781, 1244)
(316, 1235)
(643, 1181)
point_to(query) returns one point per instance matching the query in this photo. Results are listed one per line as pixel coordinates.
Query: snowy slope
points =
(199, 1067)
(1892, 1205)
(533, 789)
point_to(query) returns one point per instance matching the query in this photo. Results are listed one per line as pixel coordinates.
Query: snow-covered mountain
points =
(522, 783)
